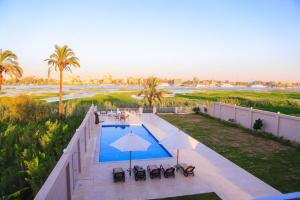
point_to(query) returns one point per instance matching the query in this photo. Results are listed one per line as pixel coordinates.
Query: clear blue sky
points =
(225, 39)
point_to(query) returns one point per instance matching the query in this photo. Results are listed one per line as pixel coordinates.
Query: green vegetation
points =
(31, 142)
(32, 139)
(287, 102)
(205, 196)
(271, 159)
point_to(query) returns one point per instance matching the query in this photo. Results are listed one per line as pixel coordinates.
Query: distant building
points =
(176, 82)
(72, 80)
(107, 79)
(124, 81)
(133, 80)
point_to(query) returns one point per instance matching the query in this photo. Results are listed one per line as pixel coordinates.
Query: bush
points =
(231, 120)
(197, 110)
(258, 124)
(23, 108)
(31, 142)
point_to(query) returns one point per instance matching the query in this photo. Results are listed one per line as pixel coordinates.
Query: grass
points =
(275, 161)
(287, 102)
(205, 196)
(110, 100)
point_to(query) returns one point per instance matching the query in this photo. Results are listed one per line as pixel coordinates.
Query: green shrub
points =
(31, 142)
(258, 124)
(196, 110)
(23, 108)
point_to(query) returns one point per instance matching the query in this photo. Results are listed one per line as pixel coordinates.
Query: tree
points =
(195, 80)
(62, 59)
(9, 65)
(150, 91)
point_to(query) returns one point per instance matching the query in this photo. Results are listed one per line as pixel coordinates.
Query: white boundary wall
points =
(61, 181)
(278, 124)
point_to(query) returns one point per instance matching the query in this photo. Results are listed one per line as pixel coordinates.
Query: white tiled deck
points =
(213, 173)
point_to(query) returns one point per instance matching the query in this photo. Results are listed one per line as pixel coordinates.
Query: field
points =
(274, 161)
(32, 139)
(287, 102)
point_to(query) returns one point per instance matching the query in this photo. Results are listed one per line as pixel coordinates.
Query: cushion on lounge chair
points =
(187, 169)
(154, 171)
(167, 170)
(139, 173)
(118, 174)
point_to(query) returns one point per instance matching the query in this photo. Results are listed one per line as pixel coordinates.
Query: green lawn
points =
(277, 163)
(206, 196)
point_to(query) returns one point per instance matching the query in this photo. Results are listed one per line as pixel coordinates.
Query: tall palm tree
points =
(9, 65)
(150, 92)
(62, 59)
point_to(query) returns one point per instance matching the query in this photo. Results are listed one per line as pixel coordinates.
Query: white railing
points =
(179, 110)
(61, 182)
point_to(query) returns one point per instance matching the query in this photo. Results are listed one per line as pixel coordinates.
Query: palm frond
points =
(63, 58)
(9, 64)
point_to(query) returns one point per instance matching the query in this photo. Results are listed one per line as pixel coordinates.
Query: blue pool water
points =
(111, 133)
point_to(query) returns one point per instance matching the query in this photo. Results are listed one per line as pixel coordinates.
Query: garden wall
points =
(278, 124)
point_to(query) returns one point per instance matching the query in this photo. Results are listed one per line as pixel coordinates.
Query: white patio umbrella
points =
(178, 140)
(131, 142)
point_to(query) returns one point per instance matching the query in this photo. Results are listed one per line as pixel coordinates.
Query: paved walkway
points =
(213, 172)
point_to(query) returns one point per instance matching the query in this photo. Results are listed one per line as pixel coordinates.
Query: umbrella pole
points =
(130, 164)
(177, 156)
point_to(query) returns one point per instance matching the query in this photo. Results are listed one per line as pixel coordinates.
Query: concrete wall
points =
(62, 180)
(275, 123)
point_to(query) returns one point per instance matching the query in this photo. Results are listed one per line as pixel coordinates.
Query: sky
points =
(234, 40)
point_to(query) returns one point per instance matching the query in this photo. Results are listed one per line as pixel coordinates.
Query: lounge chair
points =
(139, 173)
(123, 116)
(167, 170)
(118, 174)
(186, 169)
(103, 112)
(97, 121)
(154, 171)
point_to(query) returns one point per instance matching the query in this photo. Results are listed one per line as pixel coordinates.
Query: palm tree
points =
(62, 59)
(9, 65)
(150, 91)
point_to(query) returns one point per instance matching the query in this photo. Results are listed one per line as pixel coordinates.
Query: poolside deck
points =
(213, 172)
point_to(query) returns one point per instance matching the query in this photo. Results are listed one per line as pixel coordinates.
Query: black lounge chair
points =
(118, 174)
(97, 121)
(167, 170)
(139, 173)
(154, 171)
(186, 169)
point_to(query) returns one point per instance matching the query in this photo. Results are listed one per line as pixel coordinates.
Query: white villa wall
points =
(59, 186)
(275, 123)
(242, 116)
(56, 187)
(217, 108)
(289, 127)
(227, 113)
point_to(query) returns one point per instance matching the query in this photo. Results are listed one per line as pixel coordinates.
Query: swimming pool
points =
(111, 133)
